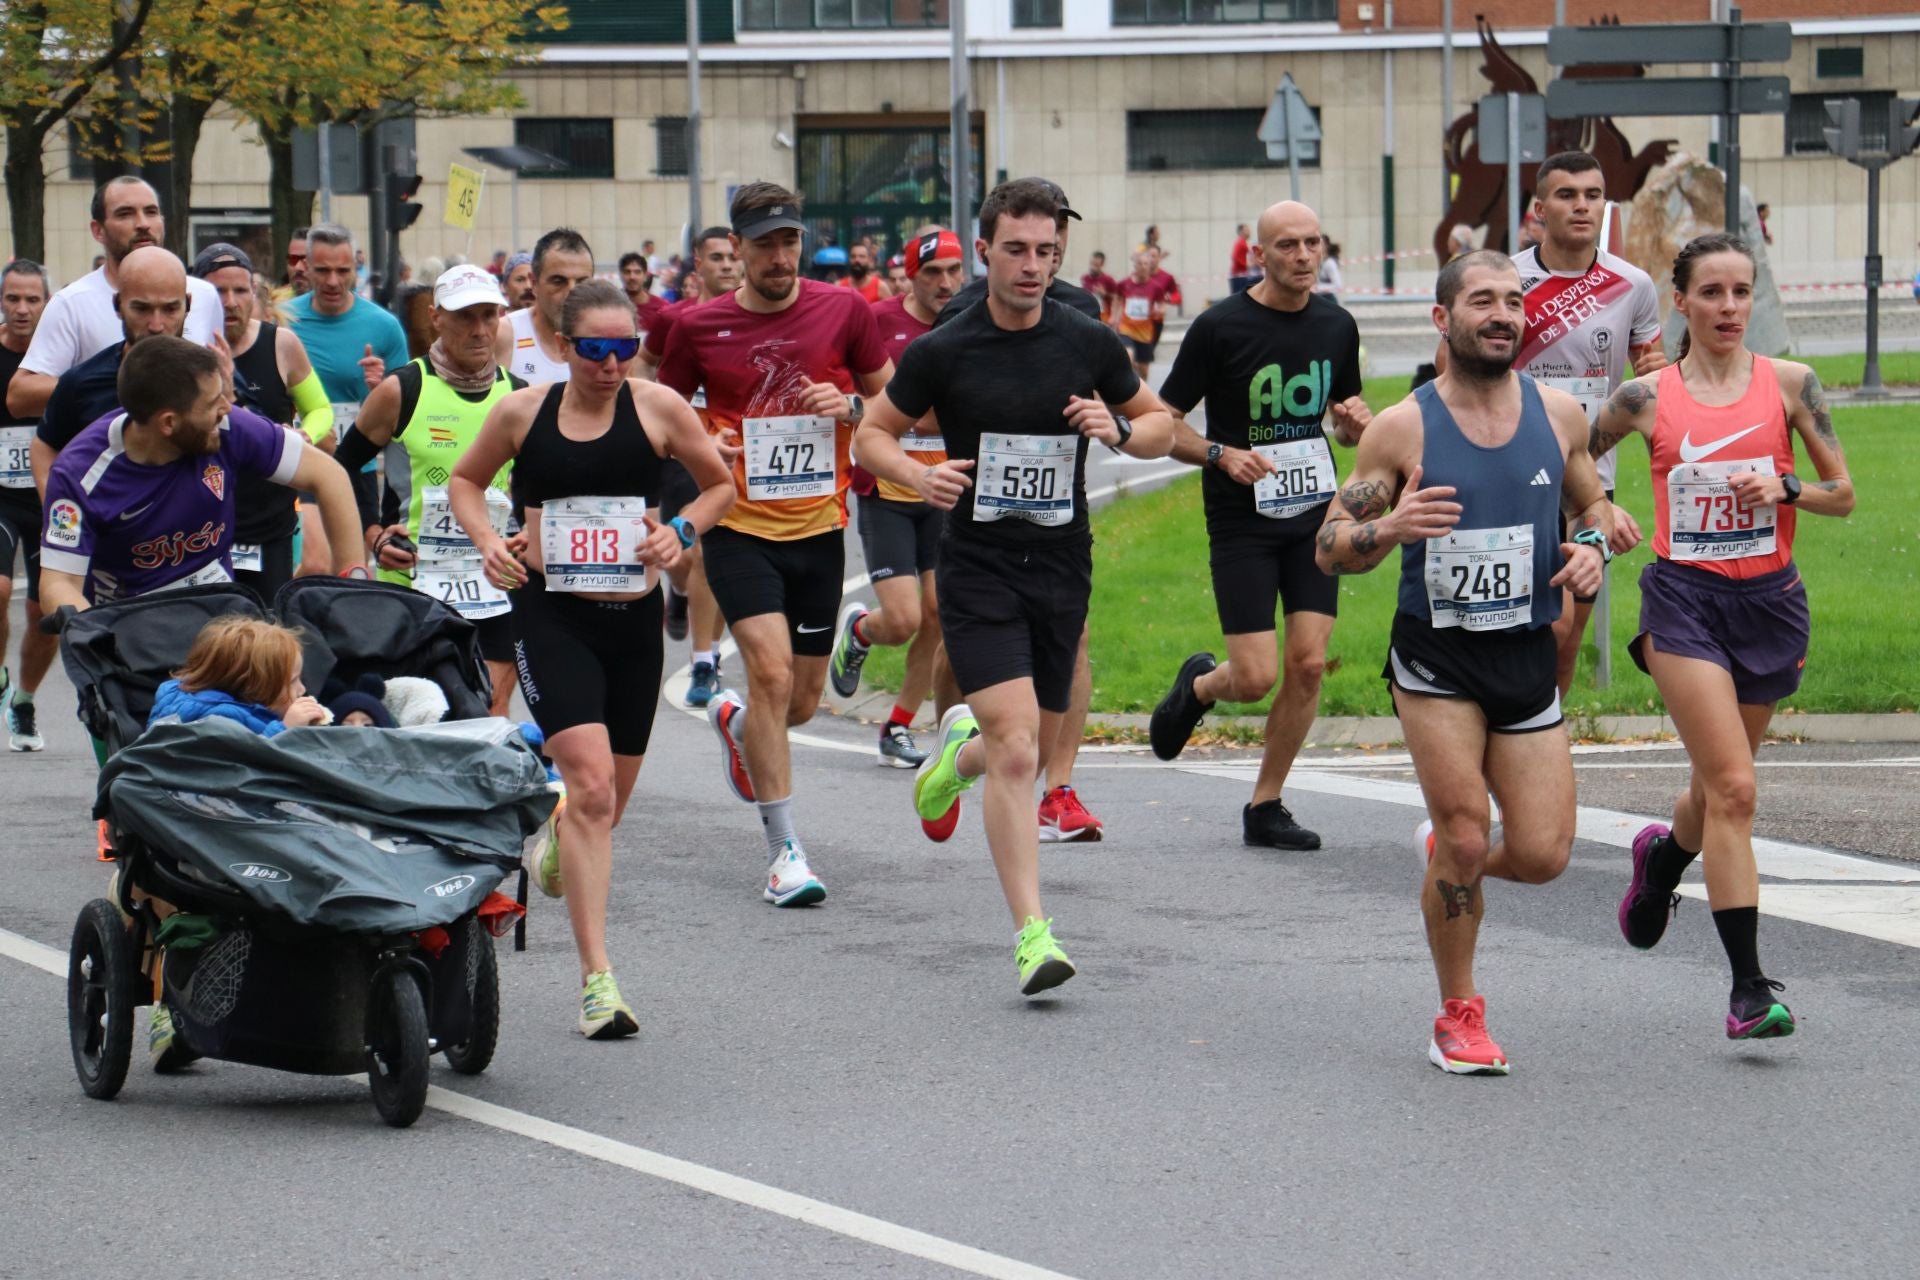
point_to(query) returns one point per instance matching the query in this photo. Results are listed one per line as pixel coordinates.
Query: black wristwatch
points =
(1213, 454)
(856, 409)
(1125, 428)
(1791, 483)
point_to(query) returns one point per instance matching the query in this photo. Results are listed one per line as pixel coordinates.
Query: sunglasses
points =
(598, 349)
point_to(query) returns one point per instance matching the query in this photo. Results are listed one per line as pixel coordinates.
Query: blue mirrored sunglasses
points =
(598, 349)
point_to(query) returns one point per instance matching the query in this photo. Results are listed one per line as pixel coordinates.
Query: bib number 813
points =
(593, 546)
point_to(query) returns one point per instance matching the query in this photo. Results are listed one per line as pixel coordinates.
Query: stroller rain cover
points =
(358, 830)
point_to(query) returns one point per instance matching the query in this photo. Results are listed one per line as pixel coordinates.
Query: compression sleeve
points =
(316, 412)
(355, 451)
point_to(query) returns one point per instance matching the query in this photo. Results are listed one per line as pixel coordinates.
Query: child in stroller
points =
(244, 670)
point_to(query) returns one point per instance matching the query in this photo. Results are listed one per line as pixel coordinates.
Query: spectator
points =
(1238, 279)
(499, 264)
(1761, 213)
(1329, 281)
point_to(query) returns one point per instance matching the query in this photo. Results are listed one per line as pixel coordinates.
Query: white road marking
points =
(37, 954)
(1888, 914)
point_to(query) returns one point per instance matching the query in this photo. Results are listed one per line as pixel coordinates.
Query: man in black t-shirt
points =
(1020, 385)
(24, 291)
(1271, 363)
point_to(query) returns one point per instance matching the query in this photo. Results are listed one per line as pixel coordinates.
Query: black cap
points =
(218, 256)
(753, 223)
(1066, 211)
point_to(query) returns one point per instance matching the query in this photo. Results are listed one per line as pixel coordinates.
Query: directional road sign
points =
(1676, 96)
(1289, 124)
(1669, 42)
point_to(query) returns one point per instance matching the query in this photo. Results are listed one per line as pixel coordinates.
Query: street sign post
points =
(1846, 139)
(1668, 96)
(1511, 129)
(1289, 126)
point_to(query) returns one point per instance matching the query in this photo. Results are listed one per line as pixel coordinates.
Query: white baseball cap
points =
(466, 286)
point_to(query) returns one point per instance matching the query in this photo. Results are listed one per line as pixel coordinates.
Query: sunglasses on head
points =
(598, 349)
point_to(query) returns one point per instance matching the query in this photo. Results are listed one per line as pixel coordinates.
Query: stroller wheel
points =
(397, 1047)
(100, 1008)
(471, 1058)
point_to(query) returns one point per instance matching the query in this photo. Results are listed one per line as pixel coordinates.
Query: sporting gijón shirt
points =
(1580, 325)
(128, 529)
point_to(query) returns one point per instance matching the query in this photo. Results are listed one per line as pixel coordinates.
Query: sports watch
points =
(856, 408)
(1213, 454)
(1124, 426)
(1596, 539)
(684, 527)
(1791, 483)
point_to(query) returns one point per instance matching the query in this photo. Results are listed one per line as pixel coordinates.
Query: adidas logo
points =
(1540, 477)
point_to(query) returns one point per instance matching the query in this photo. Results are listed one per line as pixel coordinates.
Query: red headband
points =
(933, 245)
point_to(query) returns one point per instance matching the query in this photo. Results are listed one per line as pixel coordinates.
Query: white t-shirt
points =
(530, 364)
(1580, 324)
(80, 320)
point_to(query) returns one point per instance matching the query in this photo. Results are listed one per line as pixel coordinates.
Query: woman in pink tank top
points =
(1723, 614)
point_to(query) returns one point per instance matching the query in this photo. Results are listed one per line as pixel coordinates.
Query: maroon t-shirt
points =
(648, 313)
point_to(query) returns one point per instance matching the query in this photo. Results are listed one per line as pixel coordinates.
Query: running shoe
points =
(1423, 841)
(103, 846)
(1645, 910)
(1064, 818)
(546, 868)
(791, 882)
(849, 653)
(23, 727)
(1461, 1045)
(704, 684)
(1174, 719)
(1753, 1013)
(676, 612)
(1042, 964)
(165, 1049)
(898, 750)
(1270, 825)
(937, 787)
(603, 1014)
(727, 714)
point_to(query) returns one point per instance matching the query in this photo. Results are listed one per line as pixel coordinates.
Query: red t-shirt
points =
(1237, 260)
(898, 329)
(1169, 287)
(757, 365)
(870, 290)
(648, 313)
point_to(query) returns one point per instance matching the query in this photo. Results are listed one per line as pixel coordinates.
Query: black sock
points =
(1667, 861)
(1739, 933)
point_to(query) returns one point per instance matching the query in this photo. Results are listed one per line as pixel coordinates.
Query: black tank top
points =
(264, 511)
(619, 463)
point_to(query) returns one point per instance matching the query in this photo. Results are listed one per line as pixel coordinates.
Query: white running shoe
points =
(1423, 842)
(791, 882)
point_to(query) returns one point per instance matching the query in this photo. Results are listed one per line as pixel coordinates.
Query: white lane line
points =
(726, 1186)
(1887, 914)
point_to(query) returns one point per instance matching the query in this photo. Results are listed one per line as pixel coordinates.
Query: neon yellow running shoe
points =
(1043, 965)
(937, 787)
(603, 1014)
(546, 868)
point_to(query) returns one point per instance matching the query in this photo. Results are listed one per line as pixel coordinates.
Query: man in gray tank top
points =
(1468, 476)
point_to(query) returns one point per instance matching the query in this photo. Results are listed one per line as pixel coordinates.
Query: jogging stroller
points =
(331, 888)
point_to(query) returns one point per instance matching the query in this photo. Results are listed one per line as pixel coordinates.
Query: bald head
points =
(152, 294)
(1287, 216)
(1290, 248)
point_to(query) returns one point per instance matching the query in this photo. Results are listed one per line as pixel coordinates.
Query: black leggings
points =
(586, 661)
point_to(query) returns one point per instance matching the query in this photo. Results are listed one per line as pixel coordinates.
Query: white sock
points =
(777, 817)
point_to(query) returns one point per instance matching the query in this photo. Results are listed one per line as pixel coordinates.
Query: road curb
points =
(1381, 731)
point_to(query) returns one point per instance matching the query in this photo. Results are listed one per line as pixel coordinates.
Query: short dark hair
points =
(163, 373)
(28, 267)
(1021, 198)
(558, 240)
(121, 180)
(711, 233)
(1454, 274)
(761, 195)
(299, 233)
(1565, 162)
(631, 257)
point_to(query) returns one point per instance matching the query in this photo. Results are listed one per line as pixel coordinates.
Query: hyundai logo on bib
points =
(1301, 399)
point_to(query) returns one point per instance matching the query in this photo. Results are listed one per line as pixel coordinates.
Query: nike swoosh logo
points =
(807, 631)
(137, 512)
(1691, 452)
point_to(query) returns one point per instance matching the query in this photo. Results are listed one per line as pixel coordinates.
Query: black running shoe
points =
(676, 615)
(1754, 1014)
(1174, 719)
(1645, 910)
(1271, 826)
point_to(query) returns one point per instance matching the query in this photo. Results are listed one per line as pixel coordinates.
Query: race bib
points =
(789, 457)
(1590, 392)
(1708, 522)
(247, 557)
(913, 442)
(1481, 579)
(1025, 478)
(211, 571)
(1139, 308)
(461, 581)
(16, 457)
(593, 544)
(699, 400)
(1302, 480)
(439, 528)
(345, 414)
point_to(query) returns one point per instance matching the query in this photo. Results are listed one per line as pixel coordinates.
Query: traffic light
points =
(1903, 125)
(402, 209)
(1843, 133)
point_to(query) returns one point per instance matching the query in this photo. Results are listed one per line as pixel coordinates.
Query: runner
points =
(1012, 384)
(900, 530)
(140, 501)
(1588, 314)
(637, 281)
(586, 454)
(1139, 305)
(448, 393)
(1101, 285)
(273, 377)
(81, 318)
(1468, 477)
(1272, 363)
(23, 297)
(530, 345)
(295, 282)
(1724, 625)
(517, 283)
(861, 277)
(780, 358)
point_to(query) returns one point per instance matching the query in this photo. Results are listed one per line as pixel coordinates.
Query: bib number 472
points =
(795, 457)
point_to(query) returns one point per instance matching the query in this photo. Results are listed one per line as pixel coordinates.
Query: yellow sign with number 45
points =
(463, 196)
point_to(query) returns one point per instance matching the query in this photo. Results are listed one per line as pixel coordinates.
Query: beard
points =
(1466, 357)
(859, 271)
(775, 290)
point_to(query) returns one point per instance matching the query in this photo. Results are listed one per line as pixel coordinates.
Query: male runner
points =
(295, 282)
(1139, 306)
(529, 345)
(780, 358)
(433, 408)
(23, 297)
(636, 281)
(900, 530)
(1013, 383)
(1588, 314)
(82, 317)
(861, 277)
(1469, 477)
(517, 283)
(1101, 285)
(273, 377)
(1271, 362)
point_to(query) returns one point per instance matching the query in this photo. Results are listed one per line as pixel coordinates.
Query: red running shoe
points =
(1461, 1045)
(724, 714)
(1063, 818)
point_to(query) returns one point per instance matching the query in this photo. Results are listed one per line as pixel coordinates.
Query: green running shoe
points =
(603, 1014)
(937, 787)
(849, 652)
(165, 1049)
(546, 868)
(1043, 965)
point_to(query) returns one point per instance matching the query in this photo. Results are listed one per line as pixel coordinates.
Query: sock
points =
(712, 656)
(1739, 933)
(858, 633)
(777, 817)
(1667, 861)
(901, 716)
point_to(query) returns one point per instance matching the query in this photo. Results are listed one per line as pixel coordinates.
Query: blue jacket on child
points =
(172, 700)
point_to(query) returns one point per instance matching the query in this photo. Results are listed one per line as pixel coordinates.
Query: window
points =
(1128, 13)
(1839, 64)
(670, 146)
(1166, 141)
(1036, 13)
(1807, 121)
(843, 15)
(586, 145)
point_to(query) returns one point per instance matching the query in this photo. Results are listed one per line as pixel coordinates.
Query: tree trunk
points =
(290, 208)
(27, 192)
(188, 115)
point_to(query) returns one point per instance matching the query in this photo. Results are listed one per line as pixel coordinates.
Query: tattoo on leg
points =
(1458, 898)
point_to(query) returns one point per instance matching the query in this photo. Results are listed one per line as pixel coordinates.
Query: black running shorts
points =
(585, 661)
(799, 579)
(20, 531)
(275, 571)
(1008, 614)
(1509, 675)
(899, 539)
(1253, 571)
(496, 637)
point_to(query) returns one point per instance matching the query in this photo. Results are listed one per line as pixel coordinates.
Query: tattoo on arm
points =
(1831, 486)
(1814, 397)
(1366, 499)
(1458, 899)
(1628, 402)
(1366, 539)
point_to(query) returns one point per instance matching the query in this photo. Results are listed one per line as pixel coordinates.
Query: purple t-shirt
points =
(129, 529)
